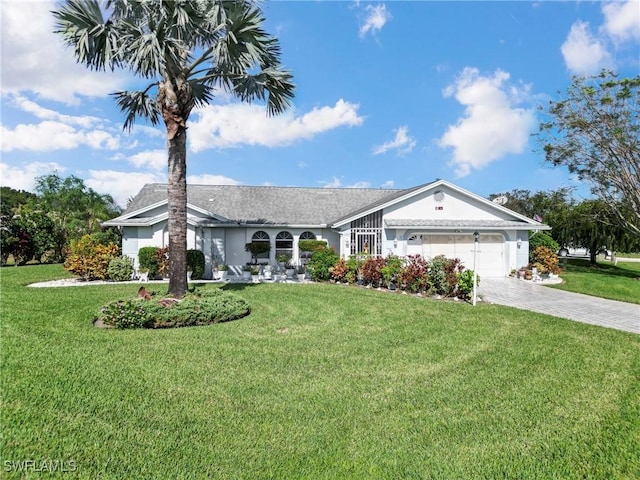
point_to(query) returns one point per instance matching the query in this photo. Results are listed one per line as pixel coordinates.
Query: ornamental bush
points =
(311, 245)
(542, 239)
(545, 260)
(465, 283)
(195, 308)
(320, 263)
(89, 259)
(339, 271)
(442, 275)
(120, 269)
(372, 271)
(195, 262)
(414, 274)
(125, 314)
(148, 261)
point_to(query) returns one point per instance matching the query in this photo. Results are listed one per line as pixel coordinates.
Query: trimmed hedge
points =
(148, 260)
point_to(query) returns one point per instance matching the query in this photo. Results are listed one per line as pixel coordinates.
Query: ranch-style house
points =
(437, 218)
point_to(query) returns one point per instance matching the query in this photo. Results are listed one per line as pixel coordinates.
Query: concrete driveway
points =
(574, 306)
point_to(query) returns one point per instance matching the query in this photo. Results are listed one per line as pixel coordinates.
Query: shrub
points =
(414, 274)
(392, 269)
(120, 269)
(90, 259)
(256, 249)
(542, 239)
(372, 271)
(125, 314)
(465, 283)
(195, 262)
(195, 308)
(442, 275)
(311, 245)
(320, 263)
(162, 260)
(339, 271)
(354, 264)
(148, 261)
(545, 260)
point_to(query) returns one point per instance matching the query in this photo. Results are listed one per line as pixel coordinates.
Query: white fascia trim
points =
(436, 184)
(140, 210)
(281, 225)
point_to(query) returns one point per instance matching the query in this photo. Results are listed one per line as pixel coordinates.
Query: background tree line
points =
(589, 223)
(40, 226)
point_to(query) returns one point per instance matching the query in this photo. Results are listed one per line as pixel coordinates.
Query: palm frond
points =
(137, 104)
(94, 40)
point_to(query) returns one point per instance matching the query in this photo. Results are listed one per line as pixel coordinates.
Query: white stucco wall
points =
(453, 206)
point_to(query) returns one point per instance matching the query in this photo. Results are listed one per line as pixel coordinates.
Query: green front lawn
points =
(319, 382)
(606, 280)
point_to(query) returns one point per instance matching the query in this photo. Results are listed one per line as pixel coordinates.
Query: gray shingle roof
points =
(271, 205)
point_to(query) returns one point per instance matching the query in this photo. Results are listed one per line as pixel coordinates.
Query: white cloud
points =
(24, 176)
(208, 179)
(42, 113)
(337, 183)
(121, 185)
(50, 135)
(492, 126)
(388, 184)
(154, 159)
(402, 143)
(225, 126)
(34, 59)
(582, 52)
(377, 17)
(622, 20)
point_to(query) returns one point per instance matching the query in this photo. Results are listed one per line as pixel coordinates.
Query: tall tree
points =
(590, 226)
(186, 49)
(595, 133)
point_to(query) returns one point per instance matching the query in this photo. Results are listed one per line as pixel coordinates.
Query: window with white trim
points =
(261, 236)
(284, 244)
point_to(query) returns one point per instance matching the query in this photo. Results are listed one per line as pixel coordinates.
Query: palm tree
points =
(185, 49)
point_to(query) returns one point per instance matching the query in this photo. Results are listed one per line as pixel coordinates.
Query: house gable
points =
(442, 204)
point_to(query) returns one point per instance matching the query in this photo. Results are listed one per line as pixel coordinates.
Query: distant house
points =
(437, 218)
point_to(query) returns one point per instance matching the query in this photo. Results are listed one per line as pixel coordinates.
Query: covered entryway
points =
(490, 259)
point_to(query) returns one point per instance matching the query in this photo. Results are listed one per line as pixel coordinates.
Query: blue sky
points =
(388, 95)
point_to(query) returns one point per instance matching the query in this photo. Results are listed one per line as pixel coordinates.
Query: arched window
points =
(261, 236)
(307, 236)
(284, 246)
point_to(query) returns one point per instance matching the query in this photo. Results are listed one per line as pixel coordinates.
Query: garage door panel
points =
(490, 261)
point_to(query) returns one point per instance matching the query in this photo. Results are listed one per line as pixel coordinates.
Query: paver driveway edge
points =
(559, 303)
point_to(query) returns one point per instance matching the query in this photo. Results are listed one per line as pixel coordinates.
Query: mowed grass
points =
(606, 280)
(319, 382)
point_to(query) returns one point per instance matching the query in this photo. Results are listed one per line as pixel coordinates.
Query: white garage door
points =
(490, 257)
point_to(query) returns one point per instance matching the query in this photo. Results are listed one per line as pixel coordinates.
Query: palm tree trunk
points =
(177, 206)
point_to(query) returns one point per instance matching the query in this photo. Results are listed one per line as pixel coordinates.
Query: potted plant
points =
(391, 271)
(267, 272)
(246, 272)
(255, 273)
(289, 269)
(301, 271)
(223, 272)
(283, 259)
